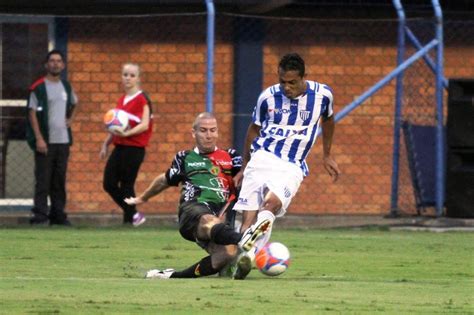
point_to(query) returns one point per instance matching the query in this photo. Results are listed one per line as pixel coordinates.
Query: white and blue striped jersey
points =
(289, 126)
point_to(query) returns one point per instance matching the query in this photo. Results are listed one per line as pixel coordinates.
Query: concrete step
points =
(21, 218)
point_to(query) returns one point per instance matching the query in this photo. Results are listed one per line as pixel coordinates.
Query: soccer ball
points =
(116, 120)
(273, 259)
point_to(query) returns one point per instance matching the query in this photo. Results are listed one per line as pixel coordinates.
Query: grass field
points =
(100, 271)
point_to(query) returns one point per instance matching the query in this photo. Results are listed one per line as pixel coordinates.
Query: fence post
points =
(440, 169)
(210, 55)
(398, 110)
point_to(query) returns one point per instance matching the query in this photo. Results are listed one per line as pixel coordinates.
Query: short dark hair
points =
(200, 116)
(292, 61)
(54, 52)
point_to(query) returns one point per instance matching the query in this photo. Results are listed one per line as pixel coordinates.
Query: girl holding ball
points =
(128, 153)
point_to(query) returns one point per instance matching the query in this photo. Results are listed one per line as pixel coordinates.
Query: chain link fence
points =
(348, 55)
(419, 107)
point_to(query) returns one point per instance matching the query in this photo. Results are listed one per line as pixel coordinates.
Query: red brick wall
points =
(174, 75)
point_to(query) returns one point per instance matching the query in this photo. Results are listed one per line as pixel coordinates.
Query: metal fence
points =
(348, 55)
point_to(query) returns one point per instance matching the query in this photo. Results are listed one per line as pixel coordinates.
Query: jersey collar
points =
(197, 150)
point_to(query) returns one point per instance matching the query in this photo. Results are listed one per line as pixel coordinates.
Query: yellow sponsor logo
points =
(215, 170)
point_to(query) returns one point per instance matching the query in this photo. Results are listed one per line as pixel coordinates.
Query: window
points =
(24, 43)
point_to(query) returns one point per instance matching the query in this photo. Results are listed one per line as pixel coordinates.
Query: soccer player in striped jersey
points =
(284, 127)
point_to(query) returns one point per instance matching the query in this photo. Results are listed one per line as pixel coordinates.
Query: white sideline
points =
(72, 279)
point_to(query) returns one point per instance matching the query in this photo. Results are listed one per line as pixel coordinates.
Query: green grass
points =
(100, 271)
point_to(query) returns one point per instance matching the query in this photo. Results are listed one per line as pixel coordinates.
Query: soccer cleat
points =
(243, 266)
(138, 219)
(253, 233)
(227, 271)
(159, 274)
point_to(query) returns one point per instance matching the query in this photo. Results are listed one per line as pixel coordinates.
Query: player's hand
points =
(120, 133)
(103, 151)
(331, 167)
(41, 146)
(134, 201)
(238, 179)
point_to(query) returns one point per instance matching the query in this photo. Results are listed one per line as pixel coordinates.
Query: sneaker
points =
(243, 266)
(160, 274)
(138, 219)
(253, 233)
(39, 220)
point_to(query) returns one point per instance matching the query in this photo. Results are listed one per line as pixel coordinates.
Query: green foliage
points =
(100, 271)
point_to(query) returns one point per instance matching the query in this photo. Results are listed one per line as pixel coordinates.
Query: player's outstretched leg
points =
(253, 233)
(200, 269)
(243, 266)
(247, 246)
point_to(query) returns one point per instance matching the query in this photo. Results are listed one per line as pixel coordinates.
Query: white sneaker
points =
(138, 219)
(243, 266)
(160, 274)
(253, 233)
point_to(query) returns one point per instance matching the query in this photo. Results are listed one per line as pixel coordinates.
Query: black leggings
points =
(120, 174)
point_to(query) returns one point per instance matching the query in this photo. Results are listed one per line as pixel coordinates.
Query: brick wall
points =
(174, 75)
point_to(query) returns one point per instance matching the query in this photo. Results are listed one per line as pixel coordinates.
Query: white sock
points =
(264, 214)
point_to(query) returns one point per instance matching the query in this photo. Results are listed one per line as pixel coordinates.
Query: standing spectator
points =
(124, 162)
(51, 107)
(285, 122)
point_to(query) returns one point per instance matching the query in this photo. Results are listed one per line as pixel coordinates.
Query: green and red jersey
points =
(205, 177)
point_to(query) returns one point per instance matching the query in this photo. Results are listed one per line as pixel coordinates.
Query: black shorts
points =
(189, 215)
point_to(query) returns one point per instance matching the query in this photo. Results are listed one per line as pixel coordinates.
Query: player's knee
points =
(208, 220)
(231, 252)
(272, 203)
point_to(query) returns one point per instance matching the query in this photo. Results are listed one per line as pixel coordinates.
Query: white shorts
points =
(267, 171)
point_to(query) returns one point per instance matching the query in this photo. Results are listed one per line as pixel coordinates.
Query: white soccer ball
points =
(116, 120)
(273, 259)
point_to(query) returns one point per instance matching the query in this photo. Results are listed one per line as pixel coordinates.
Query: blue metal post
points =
(440, 162)
(248, 74)
(210, 55)
(398, 110)
(427, 58)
